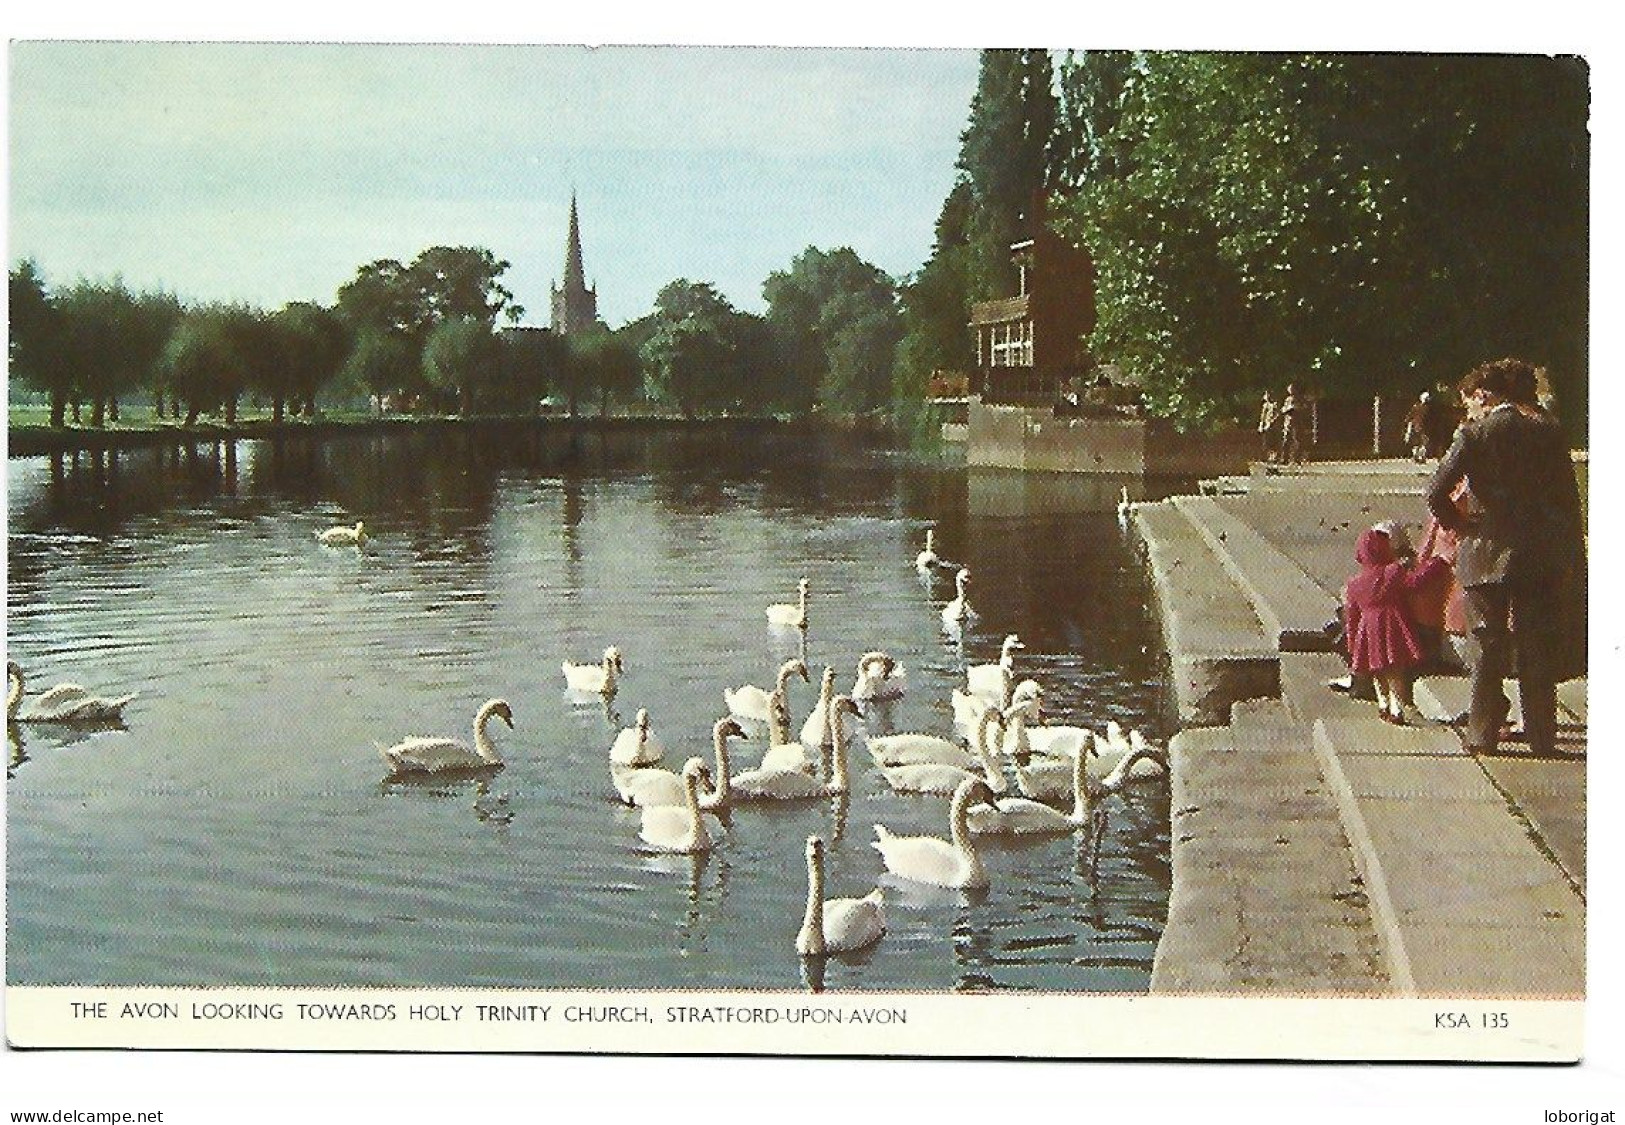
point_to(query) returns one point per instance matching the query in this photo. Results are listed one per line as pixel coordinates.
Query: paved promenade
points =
(1317, 850)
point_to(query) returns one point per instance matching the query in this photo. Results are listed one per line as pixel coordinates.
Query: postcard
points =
(974, 553)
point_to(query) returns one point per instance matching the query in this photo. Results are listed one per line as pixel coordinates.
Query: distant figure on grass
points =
(1380, 632)
(1293, 409)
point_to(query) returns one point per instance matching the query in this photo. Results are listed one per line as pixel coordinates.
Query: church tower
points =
(575, 307)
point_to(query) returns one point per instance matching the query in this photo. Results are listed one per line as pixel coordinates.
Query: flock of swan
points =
(1059, 771)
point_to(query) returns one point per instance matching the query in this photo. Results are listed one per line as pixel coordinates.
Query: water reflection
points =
(268, 667)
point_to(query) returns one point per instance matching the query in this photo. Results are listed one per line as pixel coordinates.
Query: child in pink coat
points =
(1380, 633)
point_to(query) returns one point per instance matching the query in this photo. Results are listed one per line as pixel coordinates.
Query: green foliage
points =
(34, 325)
(382, 364)
(835, 323)
(609, 364)
(531, 360)
(312, 345)
(461, 359)
(206, 360)
(693, 360)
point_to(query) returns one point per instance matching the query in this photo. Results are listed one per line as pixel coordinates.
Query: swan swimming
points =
(791, 616)
(930, 859)
(678, 828)
(64, 703)
(1023, 736)
(595, 679)
(837, 925)
(1023, 816)
(993, 682)
(344, 536)
(752, 702)
(789, 784)
(911, 749)
(958, 611)
(438, 755)
(968, 708)
(647, 787)
(942, 778)
(928, 559)
(815, 731)
(635, 746)
(880, 678)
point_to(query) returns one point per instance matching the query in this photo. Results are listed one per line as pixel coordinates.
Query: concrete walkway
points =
(1316, 849)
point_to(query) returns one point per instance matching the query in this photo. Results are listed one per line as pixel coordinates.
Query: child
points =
(1381, 636)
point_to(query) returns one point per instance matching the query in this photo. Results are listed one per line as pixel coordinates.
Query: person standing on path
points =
(1516, 554)
(1291, 427)
(1267, 413)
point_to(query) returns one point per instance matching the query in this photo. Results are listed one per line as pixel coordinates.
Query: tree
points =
(1004, 153)
(317, 342)
(936, 307)
(461, 358)
(810, 306)
(610, 365)
(862, 352)
(454, 282)
(531, 360)
(204, 362)
(691, 360)
(383, 365)
(34, 343)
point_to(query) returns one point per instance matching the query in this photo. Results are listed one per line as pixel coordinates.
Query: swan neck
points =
(1080, 786)
(696, 826)
(812, 923)
(959, 828)
(838, 782)
(483, 746)
(724, 786)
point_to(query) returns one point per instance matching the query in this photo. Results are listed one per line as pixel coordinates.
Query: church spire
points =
(575, 306)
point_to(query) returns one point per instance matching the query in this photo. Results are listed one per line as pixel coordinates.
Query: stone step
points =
(1216, 643)
(1465, 900)
(1264, 895)
(1292, 607)
(1442, 698)
(1305, 692)
(1571, 697)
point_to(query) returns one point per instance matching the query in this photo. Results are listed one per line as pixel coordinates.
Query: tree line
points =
(1353, 223)
(440, 334)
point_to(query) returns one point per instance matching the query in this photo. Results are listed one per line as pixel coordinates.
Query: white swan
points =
(993, 682)
(648, 787)
(815, 731)
(968, 708)
(879, 678)
(344, 536)
(596, 679)
(927, 559)
(911, 749)
(1024, 737)
(929, 859)
(438, 755)
(752, 702)
(958, 611)
(837, 925)
(782, 752)
(794, 615)
(64, 703)
(943, 778)
(635, 746)
(1022, 816)
(789, 785)
(679, 828)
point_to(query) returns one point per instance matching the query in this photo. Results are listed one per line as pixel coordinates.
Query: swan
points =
(634, 746)
(815, 731)
(647, 788)
(752, 702)
(782, 752)
(65, 703)
(438, 755)
(785, 784)
(837, 925)
(794, 615)
(958, 611)
(1142, 761)
(679, 828)
(597, 679)
(942, 778)
(1023, 737)
(1022, 816)
(968, 708)
(929, 749)
(928, 558)
(992, 682)
(344, 536)
(879, 678)
(929, 859)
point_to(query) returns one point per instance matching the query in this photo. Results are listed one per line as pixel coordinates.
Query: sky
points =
(268, 173)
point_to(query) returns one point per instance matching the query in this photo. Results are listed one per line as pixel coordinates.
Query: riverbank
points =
(1315, 849)
(33, 440)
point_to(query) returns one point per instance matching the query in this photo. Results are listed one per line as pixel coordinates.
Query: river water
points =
(240, 830)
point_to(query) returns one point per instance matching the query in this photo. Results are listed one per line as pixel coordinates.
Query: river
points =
(241, 830)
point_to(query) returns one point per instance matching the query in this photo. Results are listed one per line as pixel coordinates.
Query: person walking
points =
(1516, 552)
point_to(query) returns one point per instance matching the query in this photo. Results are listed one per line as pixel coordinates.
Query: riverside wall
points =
(1036, 439)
